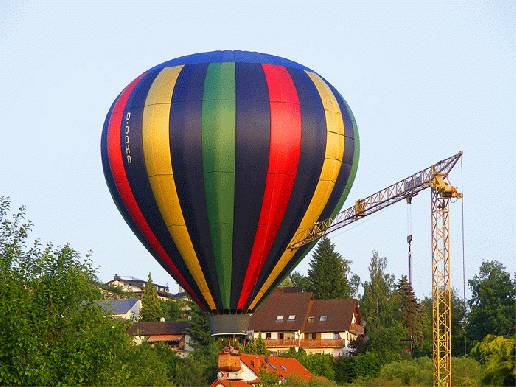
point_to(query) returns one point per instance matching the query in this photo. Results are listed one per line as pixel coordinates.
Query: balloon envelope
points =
(216, 160)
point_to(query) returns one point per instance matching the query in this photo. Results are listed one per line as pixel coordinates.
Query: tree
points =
(151, 306)
(458, 316)
(52, 330)
(380, 304)
(296, 279)
(492, 303)
(411, 312)
(199, 329)
(380, 309)
(328, 273)
(171, 309)
(256, 346)
(500, 356)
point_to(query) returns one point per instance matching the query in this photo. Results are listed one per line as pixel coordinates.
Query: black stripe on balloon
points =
(185, 128)
(138, 179)
(311, 159)
(252, 143)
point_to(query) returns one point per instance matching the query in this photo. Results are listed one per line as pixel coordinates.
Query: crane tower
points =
(435, 177)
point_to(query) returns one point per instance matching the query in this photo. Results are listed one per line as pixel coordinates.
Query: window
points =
(281, 335)
(311, 319)
(274, 368)
(291, 317)
(323, 318)
(289, 335)
(310, 336)
(336, 336)
(279, 318)
(268, 335)
(282, 366)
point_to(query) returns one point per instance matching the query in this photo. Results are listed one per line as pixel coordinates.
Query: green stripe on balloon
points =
(218, 150)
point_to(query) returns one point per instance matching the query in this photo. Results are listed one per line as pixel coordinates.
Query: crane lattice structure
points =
(435, 177)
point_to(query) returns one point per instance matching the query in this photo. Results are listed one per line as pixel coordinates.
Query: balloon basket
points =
(229, 324)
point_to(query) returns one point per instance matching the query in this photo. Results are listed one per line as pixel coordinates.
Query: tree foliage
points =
(328, 274)
(317, 364)
(151, 306)
(458, 316)
(52, 331)
(499, 355)
(199, 329)
(380, 304)
(411, 312)
(296, 279)
(256, 346)
(492, 303)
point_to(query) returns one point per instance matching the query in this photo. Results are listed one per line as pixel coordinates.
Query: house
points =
(135, 285)
(127, 309)
(243, 370)
(172, 333)
(290, 317)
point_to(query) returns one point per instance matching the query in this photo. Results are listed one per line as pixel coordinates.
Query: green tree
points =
(380, 308)
(52, 330)
(317, 364)
(499, 355)
(171, 309)
(151, 306)
(256, 346)
(199, 329)
(380, 304)
(328, 274)
(492, 303)
(296, 279)
(458, 316)
(411, 312)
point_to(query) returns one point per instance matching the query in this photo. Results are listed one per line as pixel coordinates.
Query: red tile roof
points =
(283, 366)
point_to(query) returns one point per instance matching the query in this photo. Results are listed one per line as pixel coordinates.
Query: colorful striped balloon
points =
(216, 160)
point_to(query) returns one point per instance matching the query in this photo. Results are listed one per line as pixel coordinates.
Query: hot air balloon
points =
(216, 160)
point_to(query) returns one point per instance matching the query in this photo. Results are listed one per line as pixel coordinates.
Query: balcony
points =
(287, 343)
(356, 329)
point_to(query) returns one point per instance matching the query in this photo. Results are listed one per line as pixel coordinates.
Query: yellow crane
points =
(435, 177)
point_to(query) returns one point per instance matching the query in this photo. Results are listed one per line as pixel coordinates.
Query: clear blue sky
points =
(424, 80)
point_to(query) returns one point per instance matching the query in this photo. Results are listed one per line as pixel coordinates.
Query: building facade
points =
(292, 318)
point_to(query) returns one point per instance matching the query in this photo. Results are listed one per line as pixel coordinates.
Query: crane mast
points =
(435, 177)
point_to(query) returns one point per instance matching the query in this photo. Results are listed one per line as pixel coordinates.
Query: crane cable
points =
(463, 257)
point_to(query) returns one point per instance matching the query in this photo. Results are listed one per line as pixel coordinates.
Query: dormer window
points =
(291, 317)
(311, 319)
(323, 318)
(279, 318)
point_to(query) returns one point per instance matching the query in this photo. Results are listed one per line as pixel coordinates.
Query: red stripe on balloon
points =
(284, 152)
(116, 165)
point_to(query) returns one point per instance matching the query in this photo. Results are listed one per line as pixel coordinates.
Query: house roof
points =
(281, 303)
(283, 366)
(118, 306)
(280, 365)
(339, 315)
(287, 302)
(158, 328)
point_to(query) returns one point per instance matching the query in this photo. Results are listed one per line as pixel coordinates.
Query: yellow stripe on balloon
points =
(156, 149)
(330, 170)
